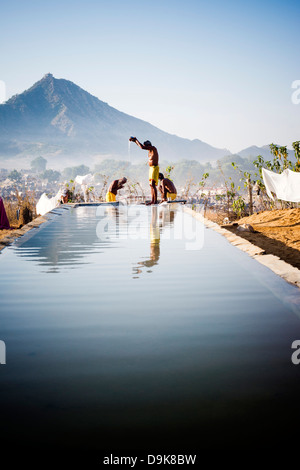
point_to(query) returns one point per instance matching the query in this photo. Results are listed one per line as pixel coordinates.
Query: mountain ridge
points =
(254, 151)
(61, 121)
(56, 116)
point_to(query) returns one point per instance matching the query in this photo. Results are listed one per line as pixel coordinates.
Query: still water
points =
(122, 331)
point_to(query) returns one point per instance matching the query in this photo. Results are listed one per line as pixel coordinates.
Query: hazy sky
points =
(218, 71)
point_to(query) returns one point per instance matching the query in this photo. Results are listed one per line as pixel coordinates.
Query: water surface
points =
(118, 337)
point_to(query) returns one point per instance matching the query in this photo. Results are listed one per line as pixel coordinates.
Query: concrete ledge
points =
(9, 239)
(277, 265)
(77, 204)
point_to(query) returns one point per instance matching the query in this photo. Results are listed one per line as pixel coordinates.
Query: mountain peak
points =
(48, 78)
(57, 116)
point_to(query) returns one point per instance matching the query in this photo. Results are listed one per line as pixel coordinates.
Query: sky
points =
(218, 71)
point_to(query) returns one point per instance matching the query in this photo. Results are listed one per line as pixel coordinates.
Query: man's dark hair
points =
(147, 143)
(161, 176)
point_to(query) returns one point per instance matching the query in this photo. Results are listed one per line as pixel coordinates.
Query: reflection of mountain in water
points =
(72, 234)
(159, 219)
(65, 240)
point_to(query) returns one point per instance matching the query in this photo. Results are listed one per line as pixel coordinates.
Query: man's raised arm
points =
(134, 139)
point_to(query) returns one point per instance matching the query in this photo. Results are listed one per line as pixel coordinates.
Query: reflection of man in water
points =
(166, 219)
(114, 188)
(154, 239)
(154, 243)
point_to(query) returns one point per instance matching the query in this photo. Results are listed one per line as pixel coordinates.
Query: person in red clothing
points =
(4, 223)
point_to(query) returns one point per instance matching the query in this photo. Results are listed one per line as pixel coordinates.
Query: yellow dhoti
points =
(153, 174)
(110, 197)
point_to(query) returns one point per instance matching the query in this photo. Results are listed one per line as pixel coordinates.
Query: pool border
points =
(286, 271)
(17, 233)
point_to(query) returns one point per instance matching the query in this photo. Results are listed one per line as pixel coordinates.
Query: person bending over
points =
(114, 188)
(153, 166)
(167, 188)
(64, 196)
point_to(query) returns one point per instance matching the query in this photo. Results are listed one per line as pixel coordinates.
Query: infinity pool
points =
(122, 331)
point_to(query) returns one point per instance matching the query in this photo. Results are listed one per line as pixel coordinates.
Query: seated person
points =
(114, 188)
(167, 188)
(64, 196)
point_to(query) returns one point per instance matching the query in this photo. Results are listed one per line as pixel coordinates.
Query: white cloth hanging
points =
(285, 185)
(46, 204)
(86, 179)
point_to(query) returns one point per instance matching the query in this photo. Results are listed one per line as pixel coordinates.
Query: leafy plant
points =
(248, 184)
(71, 189)
(238, 206)
(296, 147)
(168, 171)
(230, 190)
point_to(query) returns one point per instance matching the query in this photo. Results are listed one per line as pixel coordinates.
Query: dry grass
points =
(20, 210)
(218, 215)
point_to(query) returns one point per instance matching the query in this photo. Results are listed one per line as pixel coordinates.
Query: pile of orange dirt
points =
(277, 232)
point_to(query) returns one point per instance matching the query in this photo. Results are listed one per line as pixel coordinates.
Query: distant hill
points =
(60, 121)
(253, 152)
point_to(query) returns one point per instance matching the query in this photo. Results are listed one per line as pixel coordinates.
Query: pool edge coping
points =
(283, 269)
(19, 232)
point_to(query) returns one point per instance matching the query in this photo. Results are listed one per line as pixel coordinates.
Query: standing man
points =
(153, 166)
(114, 188)
(167, 188)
